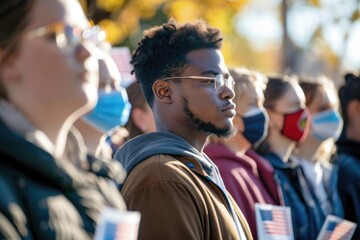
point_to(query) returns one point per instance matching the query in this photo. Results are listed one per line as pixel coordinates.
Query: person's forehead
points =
(49, 11)
(325, 97)
(331, 97)
(293, 97)
(206, 60)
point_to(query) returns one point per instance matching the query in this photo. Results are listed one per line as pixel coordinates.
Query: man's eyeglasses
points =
(219, 81)
(68, 37)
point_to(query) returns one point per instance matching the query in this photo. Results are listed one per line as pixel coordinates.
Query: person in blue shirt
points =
(288, 126)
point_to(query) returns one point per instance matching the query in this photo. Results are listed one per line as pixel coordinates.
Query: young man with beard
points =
(175, 186)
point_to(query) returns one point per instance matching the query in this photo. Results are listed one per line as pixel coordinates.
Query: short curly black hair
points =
(162, 51)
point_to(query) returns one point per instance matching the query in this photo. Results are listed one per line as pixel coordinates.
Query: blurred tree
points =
(318, 51)
(125, 20)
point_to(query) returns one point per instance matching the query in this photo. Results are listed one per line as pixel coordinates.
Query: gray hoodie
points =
(144, 146)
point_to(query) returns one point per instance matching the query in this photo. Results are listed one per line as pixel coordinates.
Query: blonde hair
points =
(245, 77)
(310, 87)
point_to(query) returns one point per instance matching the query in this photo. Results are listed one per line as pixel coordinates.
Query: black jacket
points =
(44, 198)
(348, 160)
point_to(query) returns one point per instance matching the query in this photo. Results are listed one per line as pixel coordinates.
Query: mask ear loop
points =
(103, 47)
(270, 123)
(108, 87)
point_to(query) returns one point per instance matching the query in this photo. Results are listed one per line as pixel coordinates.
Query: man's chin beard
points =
(208, 127)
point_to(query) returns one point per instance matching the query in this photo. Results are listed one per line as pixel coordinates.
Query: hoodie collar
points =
(144, 146)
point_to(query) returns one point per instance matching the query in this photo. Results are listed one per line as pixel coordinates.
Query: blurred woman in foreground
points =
(48, 79)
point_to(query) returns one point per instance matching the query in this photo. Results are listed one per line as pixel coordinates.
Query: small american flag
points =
(273, 222)
(336, 228)
(117, 225)
(122, 57)
(122, 231)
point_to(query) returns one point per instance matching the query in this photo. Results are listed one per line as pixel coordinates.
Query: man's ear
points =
(162, 91)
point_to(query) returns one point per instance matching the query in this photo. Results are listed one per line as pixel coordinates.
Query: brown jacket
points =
(177, 201)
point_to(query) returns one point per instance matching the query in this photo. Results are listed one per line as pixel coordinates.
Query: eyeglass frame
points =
(62, 33)
(218, 90)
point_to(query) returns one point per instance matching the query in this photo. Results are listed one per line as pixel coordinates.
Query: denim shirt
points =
(331, 176)
(307, 218)
(328, 173)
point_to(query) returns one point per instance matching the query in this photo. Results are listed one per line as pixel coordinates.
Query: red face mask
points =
(296, 125)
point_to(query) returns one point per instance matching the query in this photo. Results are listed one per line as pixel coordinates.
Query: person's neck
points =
(280, 145)
(308, 149)
(238, 144)
(55, 129)
(197, 140)
(91, 135)
(54, 122)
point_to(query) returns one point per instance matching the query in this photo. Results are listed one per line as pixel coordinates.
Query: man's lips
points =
(228, 107)
(229, 110)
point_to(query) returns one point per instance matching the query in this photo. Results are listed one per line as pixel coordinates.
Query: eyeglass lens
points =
(71, 37)
(221, 82)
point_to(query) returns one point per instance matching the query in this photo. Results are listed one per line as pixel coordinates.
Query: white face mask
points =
(326, 124)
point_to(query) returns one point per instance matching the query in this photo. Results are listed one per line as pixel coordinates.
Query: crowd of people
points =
(192, 145)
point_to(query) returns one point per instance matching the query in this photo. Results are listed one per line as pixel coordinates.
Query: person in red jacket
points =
(247, 176)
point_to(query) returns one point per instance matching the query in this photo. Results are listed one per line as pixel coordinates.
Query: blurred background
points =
(311, 37)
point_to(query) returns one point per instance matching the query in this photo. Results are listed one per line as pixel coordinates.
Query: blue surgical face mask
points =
(326, 124)
(256, 122)
(112, 110)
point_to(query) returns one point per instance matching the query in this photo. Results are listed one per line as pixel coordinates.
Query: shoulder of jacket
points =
(161, 161)
(159, 169)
